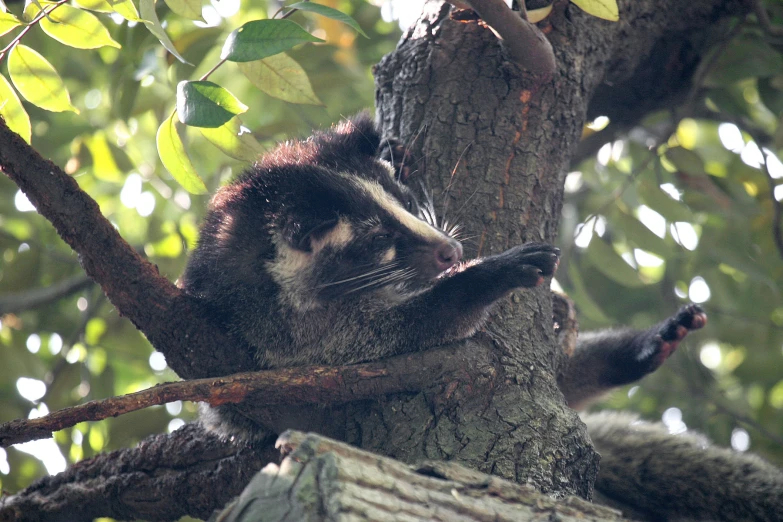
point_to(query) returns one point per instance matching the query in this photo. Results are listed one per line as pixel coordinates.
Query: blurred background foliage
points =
(680, 207)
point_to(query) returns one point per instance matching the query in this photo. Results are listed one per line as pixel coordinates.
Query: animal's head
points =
(342, 223)
(325, 219)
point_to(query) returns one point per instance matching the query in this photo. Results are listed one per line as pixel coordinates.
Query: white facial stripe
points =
(339, 236)
(393, 207)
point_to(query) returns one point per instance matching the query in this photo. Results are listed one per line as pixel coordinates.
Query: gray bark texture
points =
(493, 145)
(322, 479)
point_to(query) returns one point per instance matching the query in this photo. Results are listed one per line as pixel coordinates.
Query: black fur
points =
(315, 255)
(609, 358)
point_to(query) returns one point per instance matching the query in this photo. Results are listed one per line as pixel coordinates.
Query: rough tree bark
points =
(494, 146)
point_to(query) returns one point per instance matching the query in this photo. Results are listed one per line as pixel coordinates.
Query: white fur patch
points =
(393, 207)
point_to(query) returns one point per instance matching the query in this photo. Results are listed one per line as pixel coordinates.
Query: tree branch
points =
(323, 479)
(18, 302)
(281, 387)
(175, 324)
(188, 472)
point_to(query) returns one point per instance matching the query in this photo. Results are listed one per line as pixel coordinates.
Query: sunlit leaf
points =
(206, 104)
(328, 12)
(536, 15)
(261, 38)
(686, 161)
(661, 202)
(233, 142)
(104, 165)
(8, 22)
(147, 8)
(74, 27)
(37, 80)
(175, 159)
(606, 9)
(609, 263)
(190, 9)
(13, 112)
(124, 8)
(280, 76)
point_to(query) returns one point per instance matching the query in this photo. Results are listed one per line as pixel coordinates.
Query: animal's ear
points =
(357, 135)
(396, 153)
(300, 234)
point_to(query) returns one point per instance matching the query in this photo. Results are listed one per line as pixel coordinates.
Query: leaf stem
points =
(213, 69)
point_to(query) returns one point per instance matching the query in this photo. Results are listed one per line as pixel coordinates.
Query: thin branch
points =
(18, 302)
(175, 323)
(280, 387)
(523, 41)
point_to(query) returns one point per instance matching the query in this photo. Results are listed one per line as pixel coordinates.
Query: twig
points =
(763, 19)
(287, 386)
(15, 303)
(523, 41)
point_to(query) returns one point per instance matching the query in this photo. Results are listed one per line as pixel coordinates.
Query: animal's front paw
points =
(673, 330)
(533, 262)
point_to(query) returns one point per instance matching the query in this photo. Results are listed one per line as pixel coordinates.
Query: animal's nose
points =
(448, 254)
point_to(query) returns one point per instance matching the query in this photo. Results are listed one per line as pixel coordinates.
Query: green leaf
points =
(8, 22)
(233, 142)
(175, 159)
(74, 27)
(328, 12)
(661, 202)
(206, 104)
(261, 38)
(606, 9)
(686, 161)
(190, 9)
(150, 17)
(578, 292)
(12, 111)
(37, 80)
(641, 236)
(771, 93)
(747, 56)
(280, 76)
(124, 8)
(609, 263)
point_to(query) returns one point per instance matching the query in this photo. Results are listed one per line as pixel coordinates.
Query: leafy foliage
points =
(683, 208)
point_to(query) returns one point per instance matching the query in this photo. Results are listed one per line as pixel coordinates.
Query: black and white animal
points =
(318, 254)
(328, 250)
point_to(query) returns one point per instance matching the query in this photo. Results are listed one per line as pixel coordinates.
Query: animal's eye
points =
(409, 204)
(382, 237)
